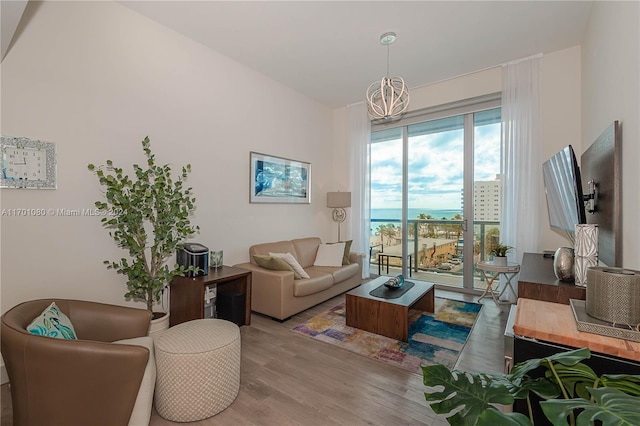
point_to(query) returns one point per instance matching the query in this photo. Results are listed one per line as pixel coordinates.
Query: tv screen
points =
(564, 191)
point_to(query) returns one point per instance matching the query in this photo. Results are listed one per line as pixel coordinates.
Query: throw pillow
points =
(274, 264)
(330, 255)
(52, 323)
(288, 257)
(347, 251)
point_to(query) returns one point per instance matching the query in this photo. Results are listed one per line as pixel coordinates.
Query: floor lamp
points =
(338, 201)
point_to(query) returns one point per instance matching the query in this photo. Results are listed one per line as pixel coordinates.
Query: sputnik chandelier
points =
(388, 98)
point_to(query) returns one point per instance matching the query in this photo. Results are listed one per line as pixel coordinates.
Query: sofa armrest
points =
(268, 288)
(357, 258)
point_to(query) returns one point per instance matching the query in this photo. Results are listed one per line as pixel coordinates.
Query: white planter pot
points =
(158, 326)
(500, 260)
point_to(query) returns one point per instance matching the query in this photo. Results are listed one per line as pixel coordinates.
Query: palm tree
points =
(427, 229)
(457, 227)
(387, 230)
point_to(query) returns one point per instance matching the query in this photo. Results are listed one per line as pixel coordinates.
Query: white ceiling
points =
(330, 50)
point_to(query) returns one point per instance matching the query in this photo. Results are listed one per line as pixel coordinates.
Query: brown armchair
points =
(88, 381)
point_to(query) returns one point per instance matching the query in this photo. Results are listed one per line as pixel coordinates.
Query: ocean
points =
(396, 214)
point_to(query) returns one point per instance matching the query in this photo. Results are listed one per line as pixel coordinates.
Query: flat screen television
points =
(563, 188)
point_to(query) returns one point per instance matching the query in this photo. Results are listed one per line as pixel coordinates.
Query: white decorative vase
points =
(500, 260)
(158, 326)
(586, 250)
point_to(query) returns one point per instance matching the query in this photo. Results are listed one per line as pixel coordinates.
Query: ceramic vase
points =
(586, 251)
(563, 264)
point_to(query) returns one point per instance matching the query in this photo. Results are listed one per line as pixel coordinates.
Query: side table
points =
(509, 270)
(187, 294)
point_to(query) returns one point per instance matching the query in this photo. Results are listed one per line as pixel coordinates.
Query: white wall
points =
(559, 126)
(96, 78)
(611, 91)
(559, 119)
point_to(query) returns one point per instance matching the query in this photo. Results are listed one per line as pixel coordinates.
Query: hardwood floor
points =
(289, 379)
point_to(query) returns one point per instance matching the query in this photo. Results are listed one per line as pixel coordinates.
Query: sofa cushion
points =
(278, 247)
(274, 263)
(329, 255)
(291, 261)
(306, 249)
(346, 272)
(339, 274)
(317, 283)
(347, 251)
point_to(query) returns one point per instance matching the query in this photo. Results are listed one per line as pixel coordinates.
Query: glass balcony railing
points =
(436, 255)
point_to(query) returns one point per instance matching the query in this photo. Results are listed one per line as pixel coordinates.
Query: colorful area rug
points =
(434, 338)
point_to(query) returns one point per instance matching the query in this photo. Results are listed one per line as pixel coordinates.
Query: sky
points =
(436, 165)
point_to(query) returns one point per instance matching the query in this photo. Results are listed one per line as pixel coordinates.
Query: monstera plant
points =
(147, 216)
(571, 393)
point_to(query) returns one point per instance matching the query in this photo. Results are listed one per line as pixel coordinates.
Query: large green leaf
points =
(575, 378)
(624, 382)
(494, 417)
(612, 407)
(471, 394)
(565, 358)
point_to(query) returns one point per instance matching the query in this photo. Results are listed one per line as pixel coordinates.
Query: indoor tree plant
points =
(148, 216)
(569, 390)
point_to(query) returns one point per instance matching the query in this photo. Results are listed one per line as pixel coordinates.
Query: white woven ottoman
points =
(198, 369)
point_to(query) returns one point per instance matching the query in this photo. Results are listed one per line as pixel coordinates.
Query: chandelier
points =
(388, 98)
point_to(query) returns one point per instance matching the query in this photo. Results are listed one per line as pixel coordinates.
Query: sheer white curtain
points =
(358, 135)
(521, 165)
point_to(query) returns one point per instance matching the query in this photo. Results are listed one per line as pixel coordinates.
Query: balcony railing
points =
(444, 237)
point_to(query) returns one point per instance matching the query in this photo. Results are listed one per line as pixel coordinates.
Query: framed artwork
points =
(27, 163)
(279, 180)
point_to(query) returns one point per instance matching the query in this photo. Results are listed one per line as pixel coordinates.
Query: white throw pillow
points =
(329, 255)
(288, 257)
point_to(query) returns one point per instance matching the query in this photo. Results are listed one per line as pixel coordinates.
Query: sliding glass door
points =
(435, 197)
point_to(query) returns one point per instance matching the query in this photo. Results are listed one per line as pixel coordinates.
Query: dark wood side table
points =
(187, 293)
(538, 281)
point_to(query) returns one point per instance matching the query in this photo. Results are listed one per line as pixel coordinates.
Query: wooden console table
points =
(187, 293)
(540, 320)
(538, 281)
(543, 328)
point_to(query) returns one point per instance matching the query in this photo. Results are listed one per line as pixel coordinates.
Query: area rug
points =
(434, 338)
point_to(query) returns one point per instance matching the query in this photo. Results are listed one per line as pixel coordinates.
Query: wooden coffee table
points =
(388, 317)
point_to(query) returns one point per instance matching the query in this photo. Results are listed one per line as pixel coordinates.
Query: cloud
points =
(435, 168)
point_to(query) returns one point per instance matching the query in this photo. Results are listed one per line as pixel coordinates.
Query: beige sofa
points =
(278, 295)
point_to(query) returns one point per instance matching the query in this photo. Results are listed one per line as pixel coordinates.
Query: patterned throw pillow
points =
(52, 323)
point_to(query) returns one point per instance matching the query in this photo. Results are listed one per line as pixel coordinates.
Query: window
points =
(428, 173)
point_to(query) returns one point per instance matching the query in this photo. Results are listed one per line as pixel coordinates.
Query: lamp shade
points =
(338, 199)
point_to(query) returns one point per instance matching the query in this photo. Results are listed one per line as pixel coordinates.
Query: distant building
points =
(486, 200)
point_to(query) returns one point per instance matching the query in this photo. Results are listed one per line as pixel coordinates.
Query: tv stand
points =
(538, 281)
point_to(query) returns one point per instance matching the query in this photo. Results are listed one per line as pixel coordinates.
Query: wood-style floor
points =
(289, 379)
